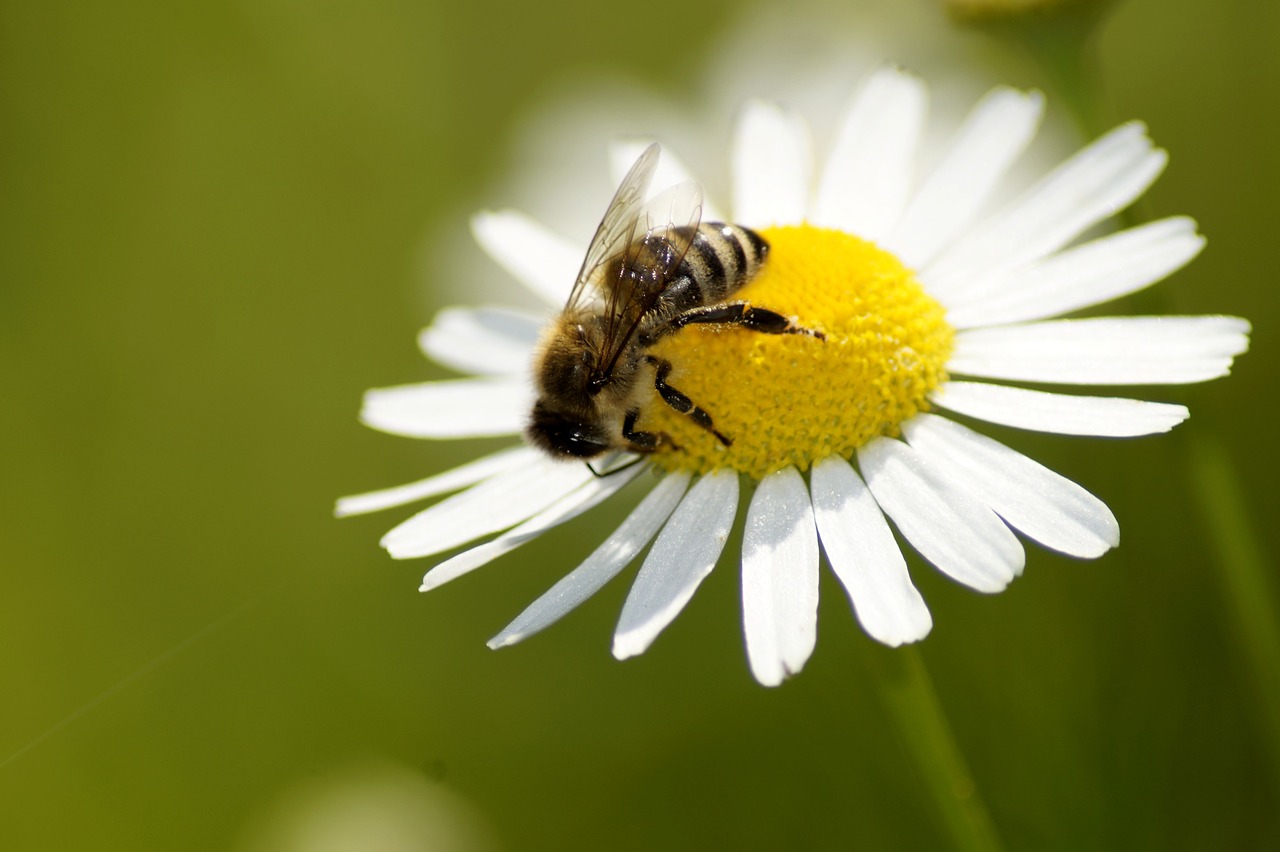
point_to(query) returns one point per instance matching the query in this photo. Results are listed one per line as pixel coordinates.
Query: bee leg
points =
(643, 442)
(762, 320)
(679, 401)
(607, 472)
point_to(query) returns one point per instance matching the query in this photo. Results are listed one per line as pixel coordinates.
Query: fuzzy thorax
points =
(794, 399)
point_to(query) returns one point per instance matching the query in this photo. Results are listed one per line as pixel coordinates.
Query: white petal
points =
(594, 492)
(1031, 498)
(541, 260)
(601, 566)
(772, 166)
(495, 504)
(489, 341)
(1062, 414)
(992, 137)
(865, 556)
(1090, 274)
(1096, 183)
(779, 578)
(441, 483)
(670, 171)
(868, 176)
(462, 408)
(684, 554)
(948, 526)
(1104, 351)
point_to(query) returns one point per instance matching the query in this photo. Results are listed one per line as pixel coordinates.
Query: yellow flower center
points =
(792, 399)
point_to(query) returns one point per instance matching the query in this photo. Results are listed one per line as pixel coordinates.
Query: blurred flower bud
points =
(979, 11)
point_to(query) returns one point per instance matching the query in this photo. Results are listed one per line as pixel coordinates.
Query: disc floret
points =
(795, 399)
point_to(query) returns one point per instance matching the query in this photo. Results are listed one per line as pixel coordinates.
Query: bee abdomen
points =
(720, 260)
(723, 257)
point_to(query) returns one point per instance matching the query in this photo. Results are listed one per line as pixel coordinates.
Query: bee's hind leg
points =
(679, 401)
(741, 314)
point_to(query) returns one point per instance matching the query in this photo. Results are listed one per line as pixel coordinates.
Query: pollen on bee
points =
(793, 399)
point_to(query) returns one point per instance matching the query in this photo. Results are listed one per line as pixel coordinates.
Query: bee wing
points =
(654, 249)
(619, 222)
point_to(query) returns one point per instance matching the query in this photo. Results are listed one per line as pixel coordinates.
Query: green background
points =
(214, 235)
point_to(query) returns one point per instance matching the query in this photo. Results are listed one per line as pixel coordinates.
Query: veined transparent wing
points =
(659, 239)
(619, 222)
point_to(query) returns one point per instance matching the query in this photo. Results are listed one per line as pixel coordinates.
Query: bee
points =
(639, 282)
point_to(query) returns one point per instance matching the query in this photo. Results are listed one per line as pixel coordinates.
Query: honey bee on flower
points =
(641, 282)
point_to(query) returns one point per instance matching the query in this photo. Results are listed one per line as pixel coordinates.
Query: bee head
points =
(563, 434)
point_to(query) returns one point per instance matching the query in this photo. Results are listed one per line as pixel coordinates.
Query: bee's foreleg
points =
(643, 442)
(741, 314)
(679, 401)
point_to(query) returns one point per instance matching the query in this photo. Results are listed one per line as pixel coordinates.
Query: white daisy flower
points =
(923, 297)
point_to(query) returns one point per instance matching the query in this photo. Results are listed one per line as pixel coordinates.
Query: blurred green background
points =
(221, 221)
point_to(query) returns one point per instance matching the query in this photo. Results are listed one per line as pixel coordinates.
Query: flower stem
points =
(1063, 48)
(1059, 38)
(908, 694)
(1244, 576)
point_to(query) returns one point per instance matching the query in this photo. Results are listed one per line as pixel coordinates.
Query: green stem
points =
(904, 685)
(1058, 37)
(1063, 48)
(1244, 576)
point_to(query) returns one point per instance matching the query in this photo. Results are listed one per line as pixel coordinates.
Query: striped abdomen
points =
(720, 260)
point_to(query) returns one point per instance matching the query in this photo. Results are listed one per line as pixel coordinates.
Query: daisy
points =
(928, 302)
